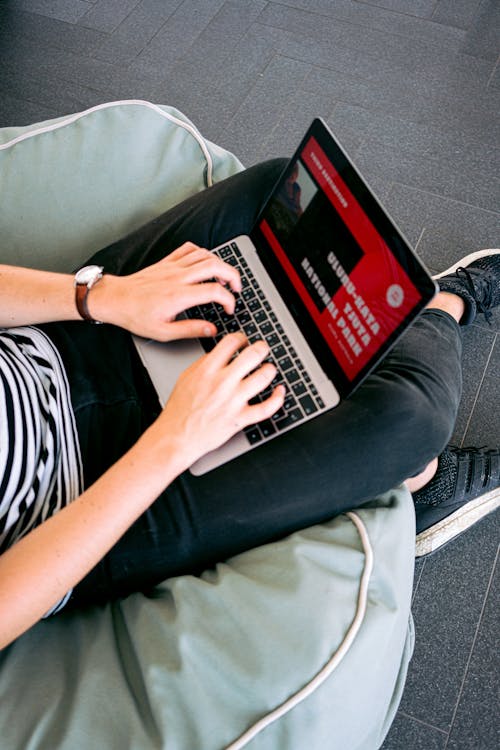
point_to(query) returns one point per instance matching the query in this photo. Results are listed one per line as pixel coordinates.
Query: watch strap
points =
(81, 294)
(82, 290)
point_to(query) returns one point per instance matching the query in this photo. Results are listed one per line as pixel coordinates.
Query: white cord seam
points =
(106, 105)
(335, 659)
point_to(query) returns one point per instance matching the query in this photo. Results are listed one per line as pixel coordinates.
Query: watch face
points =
(87, 274)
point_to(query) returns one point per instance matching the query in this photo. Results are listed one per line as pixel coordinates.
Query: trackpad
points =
(166, 361)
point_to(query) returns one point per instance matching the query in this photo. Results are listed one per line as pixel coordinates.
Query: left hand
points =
(147, 302)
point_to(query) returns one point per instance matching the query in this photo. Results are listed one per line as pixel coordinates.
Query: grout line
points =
(419, 238)
(417, 582)
(362, 24)
(446, 197)
(478, 390)
(423, 723)
(478, 626)
(400, 12)
(493, 72)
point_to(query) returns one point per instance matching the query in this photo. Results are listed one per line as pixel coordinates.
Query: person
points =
(96, 499)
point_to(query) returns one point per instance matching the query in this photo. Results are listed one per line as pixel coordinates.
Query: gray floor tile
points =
(63, 10)
(15, 112)
(413, 735)
(299, 112)
(317, 48)
(494, 81)
(419, 569)
(420, 139)
(451, 229)
(107, 15)
(184, 26)
(59, 96)
(477, 724)
(422, 8)
(484, 425)
(478, 344)
(436, 175)
(456, 99)
(446, 610)
(482, 39)
(460, 13)
(243, 66)
(255, 120)
(53, 32)
(371, 17)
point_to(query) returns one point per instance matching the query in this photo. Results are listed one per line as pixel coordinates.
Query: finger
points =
(201, 294)
(227, 347)
(183, 250)
(258, 412)
(187, 329)
(248, 359)
(210, 267)
(258, 380)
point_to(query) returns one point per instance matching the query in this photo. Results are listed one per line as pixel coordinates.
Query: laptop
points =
(327, 279)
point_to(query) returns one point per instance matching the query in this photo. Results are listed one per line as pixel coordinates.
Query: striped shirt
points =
(40, 463)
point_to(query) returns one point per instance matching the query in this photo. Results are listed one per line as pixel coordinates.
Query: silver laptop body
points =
(336, 284)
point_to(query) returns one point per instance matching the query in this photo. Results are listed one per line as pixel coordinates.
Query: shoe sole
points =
(466, 261)
(444, 531)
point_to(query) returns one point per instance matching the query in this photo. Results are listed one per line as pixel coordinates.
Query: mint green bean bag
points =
(300, 644)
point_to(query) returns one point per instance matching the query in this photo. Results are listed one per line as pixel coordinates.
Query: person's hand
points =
(209, 403)
(147, 302)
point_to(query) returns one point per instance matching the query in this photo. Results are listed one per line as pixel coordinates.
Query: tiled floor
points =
(411, 87)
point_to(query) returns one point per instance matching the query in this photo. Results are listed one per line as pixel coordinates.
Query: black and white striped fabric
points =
(40, 462)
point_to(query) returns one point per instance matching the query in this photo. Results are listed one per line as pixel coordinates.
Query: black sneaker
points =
(475, 278)
(465, 488)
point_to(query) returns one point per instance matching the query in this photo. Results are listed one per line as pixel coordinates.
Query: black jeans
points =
(388, 430)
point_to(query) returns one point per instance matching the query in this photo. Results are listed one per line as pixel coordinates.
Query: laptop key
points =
(248, 293)
(243, 317)
(272, 340)
(207, 344)
(299, 388)
(292, 376)
(267, 428)
(291, 418)
(250, 328)
(285, 363)
(254, 304)
(308, 405)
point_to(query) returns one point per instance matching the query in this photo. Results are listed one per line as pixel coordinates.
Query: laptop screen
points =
(348, 276)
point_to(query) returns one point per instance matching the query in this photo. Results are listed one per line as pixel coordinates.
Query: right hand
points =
(209, 403)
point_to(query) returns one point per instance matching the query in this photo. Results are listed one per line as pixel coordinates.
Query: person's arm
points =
(208, 405)
(145, 303)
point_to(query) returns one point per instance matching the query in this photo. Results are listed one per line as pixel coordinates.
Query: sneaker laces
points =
(483, 304)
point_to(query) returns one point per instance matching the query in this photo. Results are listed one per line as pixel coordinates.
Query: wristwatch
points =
(85, 279)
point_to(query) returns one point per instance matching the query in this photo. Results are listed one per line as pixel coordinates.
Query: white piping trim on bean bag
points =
(135, 102)
(336, 658)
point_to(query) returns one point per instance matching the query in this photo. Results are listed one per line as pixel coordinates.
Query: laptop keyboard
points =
(254, 316)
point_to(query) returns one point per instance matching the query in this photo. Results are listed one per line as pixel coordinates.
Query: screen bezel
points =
(391, 234)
